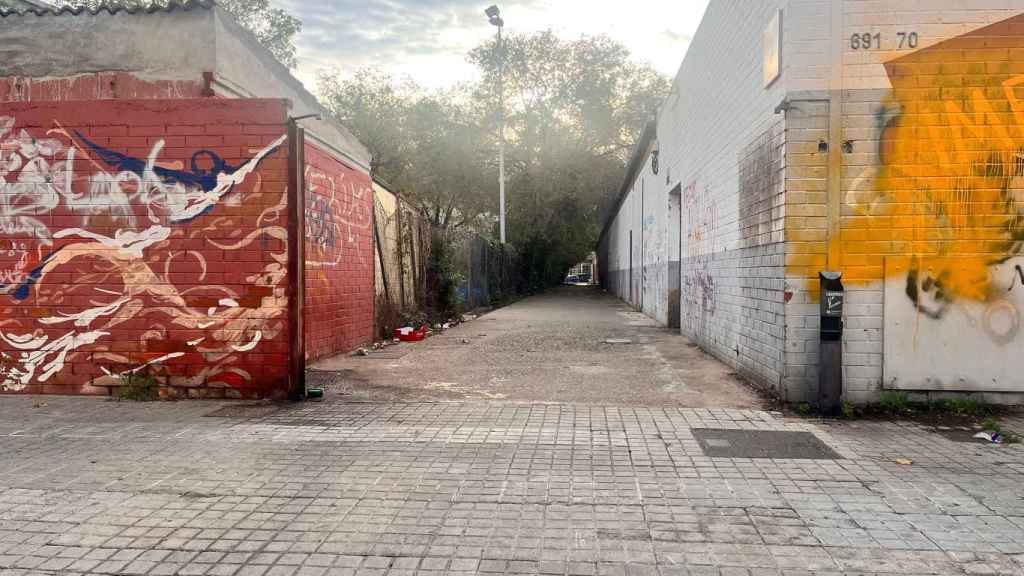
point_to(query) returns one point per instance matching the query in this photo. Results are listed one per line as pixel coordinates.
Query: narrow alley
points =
(572, 344)
(717, 288)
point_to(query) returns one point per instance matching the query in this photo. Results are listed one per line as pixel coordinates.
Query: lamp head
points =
(494, 15)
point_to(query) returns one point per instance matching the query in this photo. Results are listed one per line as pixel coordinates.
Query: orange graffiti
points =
(947, 201)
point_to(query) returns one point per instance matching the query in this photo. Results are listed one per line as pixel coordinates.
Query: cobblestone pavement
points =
(100, 487)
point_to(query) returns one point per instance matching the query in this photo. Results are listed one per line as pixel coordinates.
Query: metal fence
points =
(489, 272)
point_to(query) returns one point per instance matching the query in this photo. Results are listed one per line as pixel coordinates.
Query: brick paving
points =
(90, 486)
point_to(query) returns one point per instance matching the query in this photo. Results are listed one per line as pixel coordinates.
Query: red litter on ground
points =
(410, 334)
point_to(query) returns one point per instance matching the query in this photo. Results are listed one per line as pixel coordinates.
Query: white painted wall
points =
(749, 259)
(732, 289)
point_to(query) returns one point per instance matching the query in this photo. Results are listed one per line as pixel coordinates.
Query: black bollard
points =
(830, 346)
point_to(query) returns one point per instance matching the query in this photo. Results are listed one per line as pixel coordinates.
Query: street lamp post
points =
(494, 15)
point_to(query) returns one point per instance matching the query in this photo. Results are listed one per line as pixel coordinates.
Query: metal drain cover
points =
(719, 443)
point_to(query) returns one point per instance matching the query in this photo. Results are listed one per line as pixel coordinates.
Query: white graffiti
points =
(86, 317)
(37, 176)
(251, 345)
(38, 351)
(129, 243)
(137, 369)
(18, 254)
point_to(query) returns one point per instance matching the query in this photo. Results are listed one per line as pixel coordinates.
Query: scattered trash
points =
(40, 405)
(904, 461)
(315, 394)
(468, 317)
(410, 334)
(363, 352)
(465, 340)
(618, 341)
(990, 436)
(395, 340)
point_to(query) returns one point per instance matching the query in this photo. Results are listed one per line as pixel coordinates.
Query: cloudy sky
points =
(427, 40)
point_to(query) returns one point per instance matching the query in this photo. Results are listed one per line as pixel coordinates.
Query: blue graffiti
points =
(25, 287)
(205, 178)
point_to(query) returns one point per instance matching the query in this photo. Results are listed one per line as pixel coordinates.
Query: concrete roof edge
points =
(347, 146)
(359, 155)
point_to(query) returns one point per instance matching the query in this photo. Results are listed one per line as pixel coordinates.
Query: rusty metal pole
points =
(296, 261)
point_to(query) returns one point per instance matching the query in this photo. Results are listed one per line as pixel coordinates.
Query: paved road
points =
(99, 487)
(549, 348)
(623, 483)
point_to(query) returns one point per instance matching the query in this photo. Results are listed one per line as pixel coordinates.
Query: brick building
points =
(149, 163)
(883, 139)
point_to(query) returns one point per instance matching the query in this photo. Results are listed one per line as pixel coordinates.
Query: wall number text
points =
(873, 41)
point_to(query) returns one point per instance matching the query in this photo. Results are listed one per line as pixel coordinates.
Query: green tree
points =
(274, 28)
(574, 111)
(430, 146)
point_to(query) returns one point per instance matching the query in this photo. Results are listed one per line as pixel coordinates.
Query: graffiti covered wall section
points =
(339, 255)
(143, 236)
(932, 205)
(953, 344)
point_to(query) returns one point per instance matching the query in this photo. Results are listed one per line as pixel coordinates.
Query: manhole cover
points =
(719, 443)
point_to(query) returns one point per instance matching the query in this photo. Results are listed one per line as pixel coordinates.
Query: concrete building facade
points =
(883, 139)
(154, 177)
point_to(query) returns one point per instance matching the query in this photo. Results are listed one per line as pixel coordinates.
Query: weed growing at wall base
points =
(140, 387)
(894, 402)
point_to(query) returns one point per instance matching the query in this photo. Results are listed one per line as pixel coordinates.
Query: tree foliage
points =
(430, 146)
(274, 28)
(574, 111)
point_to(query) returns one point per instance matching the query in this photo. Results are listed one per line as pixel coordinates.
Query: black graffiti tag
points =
(1020, 276)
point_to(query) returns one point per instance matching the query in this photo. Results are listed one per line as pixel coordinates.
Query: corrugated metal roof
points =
(145, 8)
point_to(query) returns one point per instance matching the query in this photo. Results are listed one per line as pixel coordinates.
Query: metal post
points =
(296, 261)
(501, 129)
(830, 345)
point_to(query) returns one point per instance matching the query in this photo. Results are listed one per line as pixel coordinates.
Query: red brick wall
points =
(143, 234)
(339, 256)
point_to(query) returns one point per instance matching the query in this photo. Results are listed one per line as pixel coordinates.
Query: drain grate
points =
(719, 443)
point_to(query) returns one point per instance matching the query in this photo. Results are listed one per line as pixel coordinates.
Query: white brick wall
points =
(750, 252)
(732, 253)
